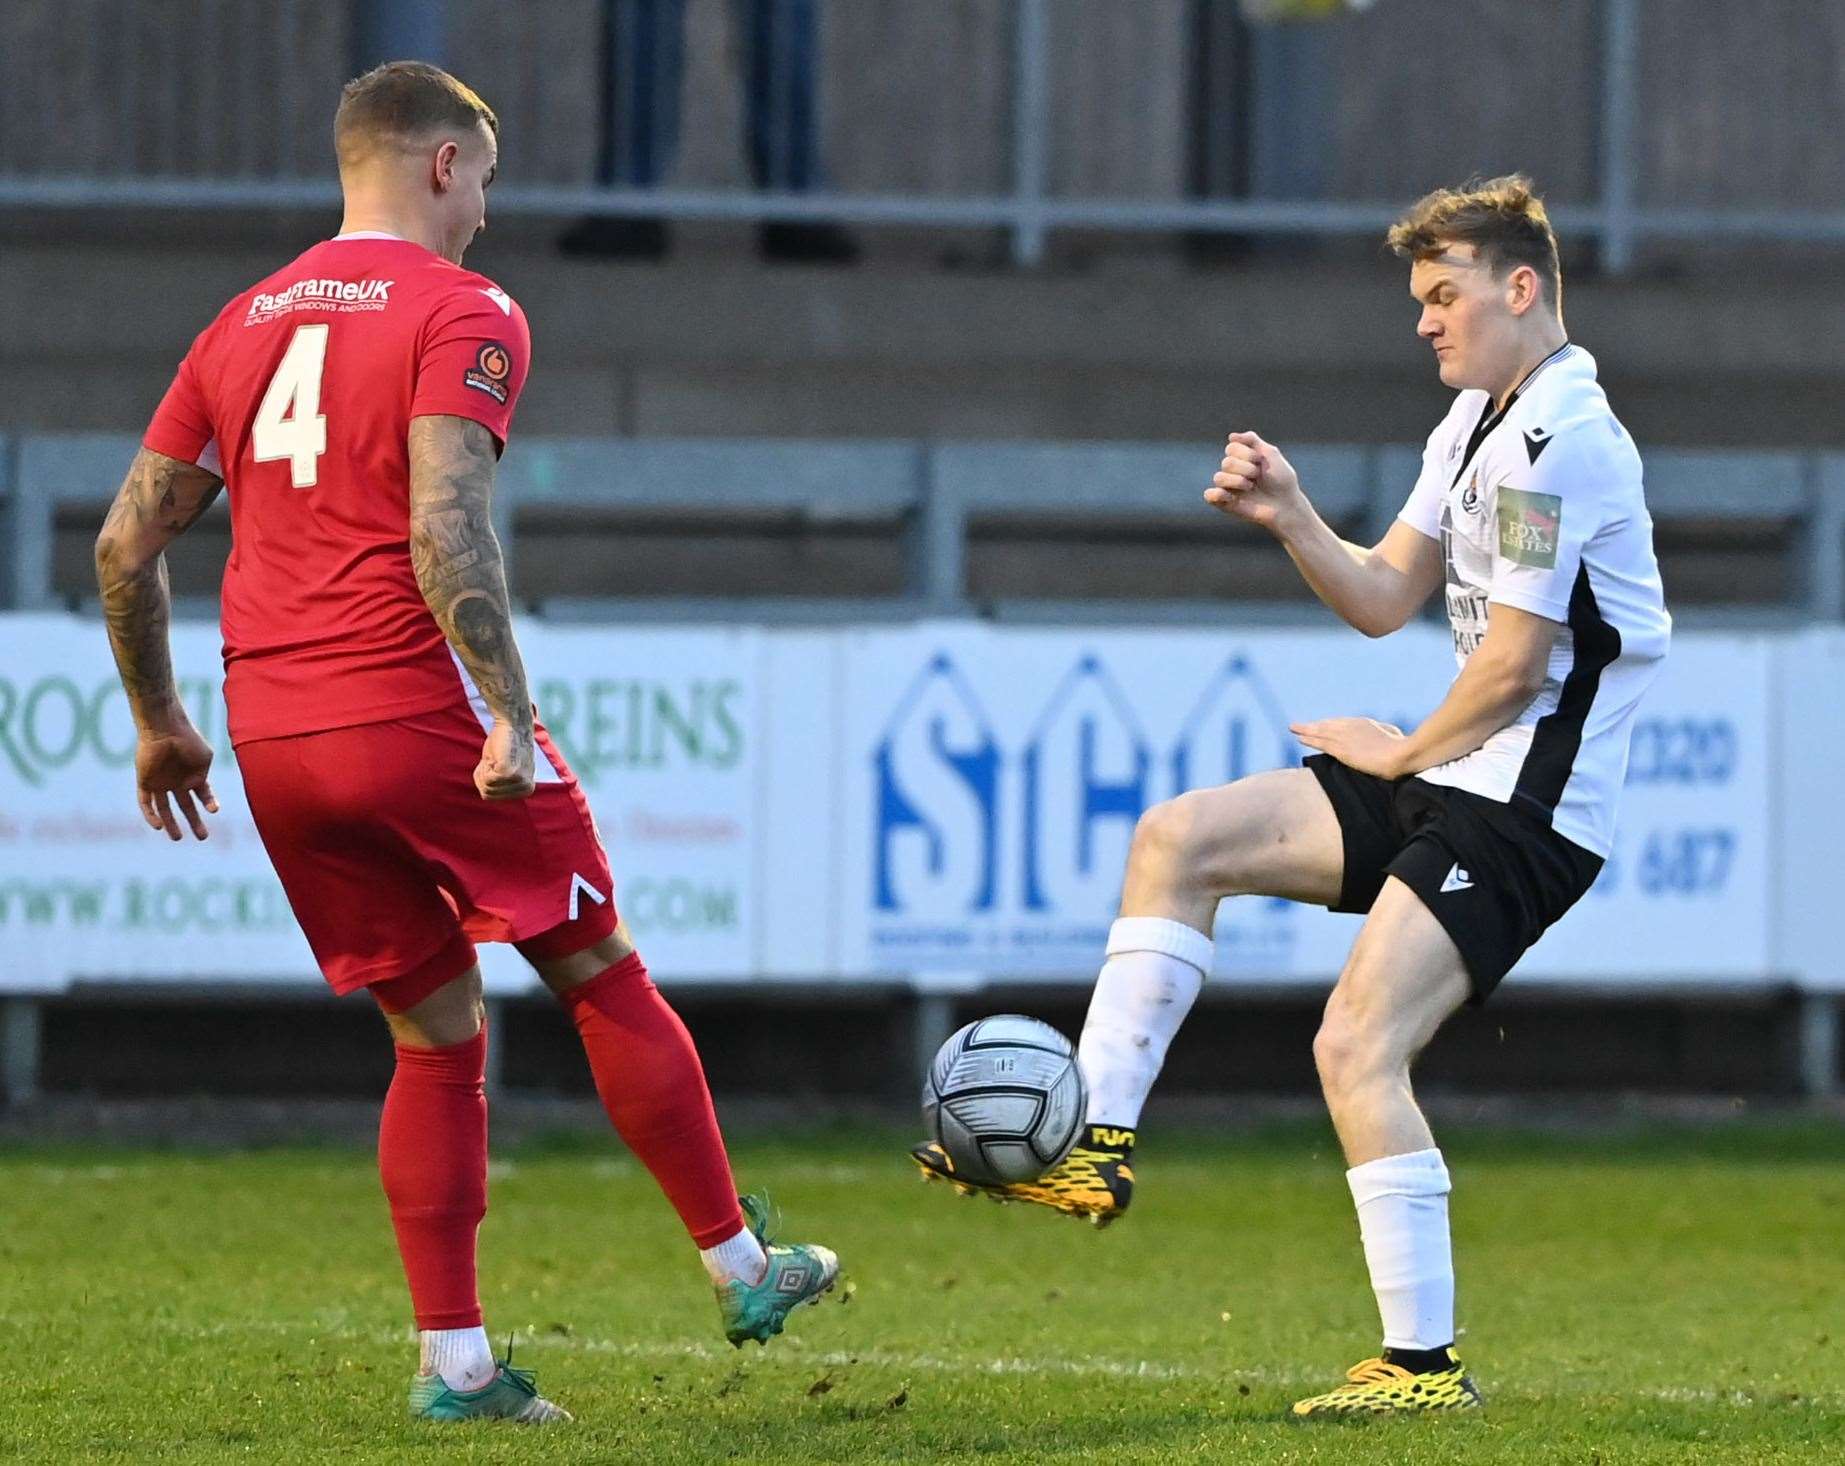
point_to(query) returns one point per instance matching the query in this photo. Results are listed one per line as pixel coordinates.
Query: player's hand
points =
(505, 767)
(1254, 482)
(170, 768)
(1363, 744)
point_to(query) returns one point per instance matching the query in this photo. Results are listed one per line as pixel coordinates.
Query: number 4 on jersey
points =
(288, 424)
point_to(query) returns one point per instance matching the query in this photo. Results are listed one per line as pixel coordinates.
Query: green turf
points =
(1675, 1297)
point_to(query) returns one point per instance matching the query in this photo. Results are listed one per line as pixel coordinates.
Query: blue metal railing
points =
(935, 492)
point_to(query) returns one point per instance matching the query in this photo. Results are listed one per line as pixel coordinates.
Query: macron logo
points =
(1456, 880)
(500, 298)
(579, 888)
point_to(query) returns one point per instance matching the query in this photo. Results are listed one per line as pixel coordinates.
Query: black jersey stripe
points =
(1491, 415)
(1557, 738)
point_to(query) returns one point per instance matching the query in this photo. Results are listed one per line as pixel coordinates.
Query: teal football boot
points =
(797, 1273)
(509, 1395)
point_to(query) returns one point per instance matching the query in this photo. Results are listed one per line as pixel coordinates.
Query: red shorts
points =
(395, 865)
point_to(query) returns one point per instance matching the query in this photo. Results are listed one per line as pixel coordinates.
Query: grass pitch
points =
(1641, 1298)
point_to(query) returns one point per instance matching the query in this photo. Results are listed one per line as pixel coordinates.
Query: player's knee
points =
(1169, 835)
(562, 974)
(1350, 1052)
(1334, 1048)
(1201, 840)
(452, 1014)
(437, 1030)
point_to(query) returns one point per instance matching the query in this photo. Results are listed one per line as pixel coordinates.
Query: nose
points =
(1427, 327)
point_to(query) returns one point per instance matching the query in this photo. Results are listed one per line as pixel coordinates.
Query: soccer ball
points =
(1005, 1099)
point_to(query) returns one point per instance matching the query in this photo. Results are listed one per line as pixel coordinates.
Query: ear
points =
(1522, 289)
(442, 167)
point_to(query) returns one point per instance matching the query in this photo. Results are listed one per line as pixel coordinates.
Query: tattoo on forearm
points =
(159, 500)
(457, 559)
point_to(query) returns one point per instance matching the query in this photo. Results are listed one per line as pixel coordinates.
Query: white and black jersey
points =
(1540, 507)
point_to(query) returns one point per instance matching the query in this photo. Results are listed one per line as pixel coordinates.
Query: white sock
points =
(1154, 970)
(738, 1258)
(1403, 1217)
(462, 1357)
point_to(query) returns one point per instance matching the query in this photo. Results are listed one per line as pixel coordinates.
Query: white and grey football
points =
(1005, 1098)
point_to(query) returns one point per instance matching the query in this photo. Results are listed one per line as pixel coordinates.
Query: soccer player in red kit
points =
(356, 403)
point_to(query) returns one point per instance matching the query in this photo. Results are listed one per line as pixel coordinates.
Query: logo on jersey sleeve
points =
(491, 371)
(500, 298)
(1536, 441)
(1530, 525)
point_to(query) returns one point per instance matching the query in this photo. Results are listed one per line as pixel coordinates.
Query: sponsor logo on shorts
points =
(490, 372)
(579, 888)
(323, 295)
(1530, 526)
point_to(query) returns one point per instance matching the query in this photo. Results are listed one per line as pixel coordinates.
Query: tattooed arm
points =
(460, 571)
(159, 501)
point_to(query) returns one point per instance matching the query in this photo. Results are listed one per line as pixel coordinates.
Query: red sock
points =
(432, 1157)
(653, 1087)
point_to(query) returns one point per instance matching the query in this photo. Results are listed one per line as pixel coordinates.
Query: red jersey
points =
(300, 395)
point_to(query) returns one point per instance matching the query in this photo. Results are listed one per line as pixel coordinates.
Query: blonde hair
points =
(401, 101)
(1502, 218)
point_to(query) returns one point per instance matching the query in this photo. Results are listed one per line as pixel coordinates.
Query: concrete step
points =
(1141, 348)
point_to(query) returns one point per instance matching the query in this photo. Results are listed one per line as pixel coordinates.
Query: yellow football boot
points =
(1095, 1181)
(1378, 1387)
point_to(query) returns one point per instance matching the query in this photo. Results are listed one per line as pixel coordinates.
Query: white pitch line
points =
(927, 1363)
(940, 1364)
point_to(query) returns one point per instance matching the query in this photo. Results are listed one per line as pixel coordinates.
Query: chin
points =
(1454, 374)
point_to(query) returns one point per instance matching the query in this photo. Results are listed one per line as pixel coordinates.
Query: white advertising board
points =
(994, 776)
(1810, 805)
(948, 802)
(1688, 892)
(660, 726)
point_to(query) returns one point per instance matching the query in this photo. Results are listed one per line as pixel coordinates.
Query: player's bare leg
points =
(1272, 834)
(452, 1014)
(432, 1158)
(1403, 979)
(652, 1085)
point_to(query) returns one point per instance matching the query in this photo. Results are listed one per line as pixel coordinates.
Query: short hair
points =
(1502, 218)
(402, 101)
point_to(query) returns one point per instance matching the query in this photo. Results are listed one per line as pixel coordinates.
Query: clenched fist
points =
(1255, 483)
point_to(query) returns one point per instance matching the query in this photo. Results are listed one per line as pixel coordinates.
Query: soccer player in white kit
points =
(1461, 841)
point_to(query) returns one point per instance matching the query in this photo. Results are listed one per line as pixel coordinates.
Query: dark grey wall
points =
(1741, 104)
(716, 347)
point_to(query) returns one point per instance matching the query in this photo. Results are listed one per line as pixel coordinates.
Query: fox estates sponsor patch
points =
(492, 367)
(1529, 527)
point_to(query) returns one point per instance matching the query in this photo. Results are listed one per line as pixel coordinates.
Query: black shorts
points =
(1494, 878)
